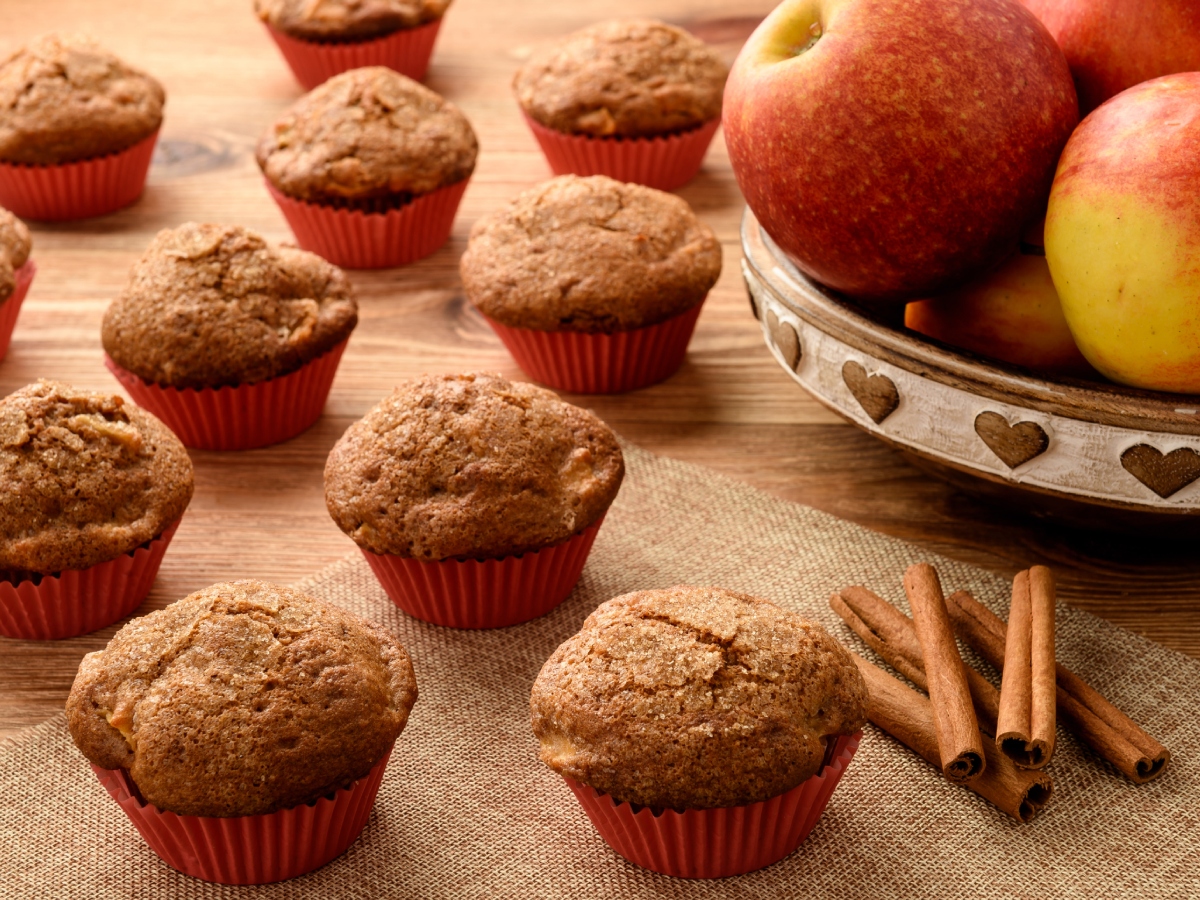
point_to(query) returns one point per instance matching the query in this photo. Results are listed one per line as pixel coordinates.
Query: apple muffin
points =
(242, 699)
(347, 20)
(694, 698)
(15, 246)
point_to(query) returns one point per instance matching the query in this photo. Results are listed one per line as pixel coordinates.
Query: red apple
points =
(895, 148)
(1112, 45)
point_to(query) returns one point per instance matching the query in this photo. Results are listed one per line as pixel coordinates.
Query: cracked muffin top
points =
(346, 20)
(367, 134)
(65, 98)
(84, 477)
(15, 244)
(471, 466)
(694, 698)
(242, 699)
(628, 77)
(214, 305)
(589, 254)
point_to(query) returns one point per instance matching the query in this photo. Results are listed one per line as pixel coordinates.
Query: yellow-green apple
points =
(895, 148)
(1112, 45)
(1123, 235)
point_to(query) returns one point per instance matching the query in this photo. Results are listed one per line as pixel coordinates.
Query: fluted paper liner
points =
(407, 51)
(355, 239)
(716, 843)
(488, 593)
(664, 162)
(242, 417)
(584, 363)
(11, 308)
(78, 190)
(250, 849)
(76, 601)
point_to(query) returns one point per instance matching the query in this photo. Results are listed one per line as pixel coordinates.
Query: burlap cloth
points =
(466, 810)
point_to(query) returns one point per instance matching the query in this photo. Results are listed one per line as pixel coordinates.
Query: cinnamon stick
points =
(961, 746)
(1108, 731)
(1025, 727)
(908, 716)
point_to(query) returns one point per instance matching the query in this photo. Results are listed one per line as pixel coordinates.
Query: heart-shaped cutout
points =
(876, 394)
(785, 338)
(1163, 473)
(750, 295)
(1014, 444)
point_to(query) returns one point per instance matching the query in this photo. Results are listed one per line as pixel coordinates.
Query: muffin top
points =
(346, 20)
(366, 134)
(15, 244)
(65, 98)
(213, 305)
(630, 77)
(693, 698)
(471, 466)
(84, 477)
(242, 699)
(589, 254)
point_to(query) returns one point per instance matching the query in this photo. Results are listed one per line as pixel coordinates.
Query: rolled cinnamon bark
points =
(961, 745)
(1025, 726)
(1108, 731)
(908, 716)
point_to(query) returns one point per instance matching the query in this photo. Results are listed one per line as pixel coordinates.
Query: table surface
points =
(261, 513)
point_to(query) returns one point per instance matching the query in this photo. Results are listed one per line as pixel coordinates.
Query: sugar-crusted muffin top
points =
(242, 699)
(629, 77)
(65, 98)
(366, 134)
(334, 20)
(693, 698)
(589, 254)
(213, 305)
(471, 466)
(15, 245)
(84, 477)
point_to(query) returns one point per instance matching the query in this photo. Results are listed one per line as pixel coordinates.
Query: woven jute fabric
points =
(467, 811)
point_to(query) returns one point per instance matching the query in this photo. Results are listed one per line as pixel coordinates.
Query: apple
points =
(1123, 235)
(895, 148)
(1112, 45)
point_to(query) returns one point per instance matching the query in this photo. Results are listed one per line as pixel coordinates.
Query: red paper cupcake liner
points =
(584, 363)
(354, 239)
(78, 190)
(489, 593)
(11, 308)
(242, 417)
(76, 601)
(716, 843)
(665, 162)
(407, 51)
(250, 849)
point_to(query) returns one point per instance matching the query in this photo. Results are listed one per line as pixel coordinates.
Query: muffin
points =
(690, 702)
(369, 168)
(16, 273)
(232, 341)
(594, 285)
(77, 129)
(244, 699)
(91, 489)
(323, 38)
(636, 99)
(474, 499)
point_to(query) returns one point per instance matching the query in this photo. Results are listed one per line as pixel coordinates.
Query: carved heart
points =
(785, 338)
(750, 295)
(1014, 444)
(876, 394)
(1165, 474)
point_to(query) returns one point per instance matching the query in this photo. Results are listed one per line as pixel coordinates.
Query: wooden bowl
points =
(1090, 454)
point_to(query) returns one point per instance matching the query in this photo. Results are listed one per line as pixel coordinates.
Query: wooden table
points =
(261, 513)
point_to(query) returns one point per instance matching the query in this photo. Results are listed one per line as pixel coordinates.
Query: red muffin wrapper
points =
(406, 51)
(11, 308)
(716, 843)
(241, 417)
(665, 162)
(77, 190)
(584, 363)
(354, 239)
(76, 601)
(488, 593)
(250, 849)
